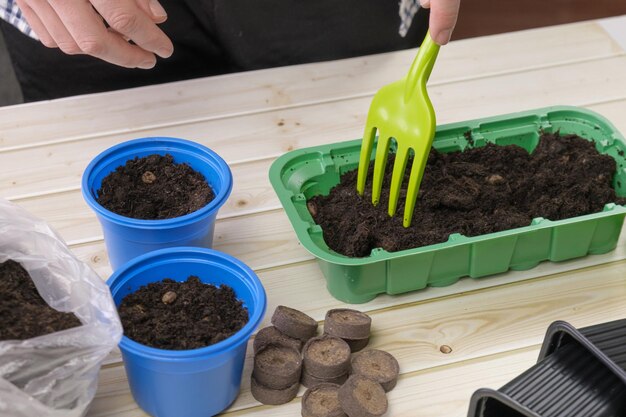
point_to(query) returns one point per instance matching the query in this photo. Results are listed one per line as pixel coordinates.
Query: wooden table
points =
(493, 326)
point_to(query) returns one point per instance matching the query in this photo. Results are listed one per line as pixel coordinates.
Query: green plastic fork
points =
(403, 111)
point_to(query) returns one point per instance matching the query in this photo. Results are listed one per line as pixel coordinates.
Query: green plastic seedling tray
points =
(301, 174)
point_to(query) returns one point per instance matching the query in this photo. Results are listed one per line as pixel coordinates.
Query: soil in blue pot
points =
(153, 188)
(181, 315)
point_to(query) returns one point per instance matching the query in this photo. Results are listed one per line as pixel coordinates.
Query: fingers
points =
(91, 37)
(128, 19)
(76, 28)
(154, 9)
(51, 26)
(36, 25)
(443, 16)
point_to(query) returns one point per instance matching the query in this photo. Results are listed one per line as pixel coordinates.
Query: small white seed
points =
(148, 177)
(169, 297)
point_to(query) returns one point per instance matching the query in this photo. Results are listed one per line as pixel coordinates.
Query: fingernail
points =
(443, 37)
(147, 64)
(425, 3)
(157, 10)
(164, 52)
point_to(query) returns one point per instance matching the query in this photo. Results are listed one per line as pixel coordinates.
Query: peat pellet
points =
(357, 345)
(362, 397)
(322, 401)
(326, 356)
(270, 396)
(347, 323)
(271, 334)
(277, 367)
(377, 365)
(311, 381)
(294, 323)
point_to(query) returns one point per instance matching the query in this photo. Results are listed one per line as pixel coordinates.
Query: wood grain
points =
(444, 391)
(254, 137)
(476, 324)
(84, 117)
(302, 284)
(252, 192)
(260, 240)
(493, 325)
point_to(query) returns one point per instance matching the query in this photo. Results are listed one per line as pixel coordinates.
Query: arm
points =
(78, 27)
(443, 15)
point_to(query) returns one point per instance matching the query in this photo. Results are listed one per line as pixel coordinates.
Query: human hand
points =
(78, 27)
(443, 15)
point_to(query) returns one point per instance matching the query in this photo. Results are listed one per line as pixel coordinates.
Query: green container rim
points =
(302, 226)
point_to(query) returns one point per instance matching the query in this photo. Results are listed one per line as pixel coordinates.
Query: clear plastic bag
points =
(54, 374)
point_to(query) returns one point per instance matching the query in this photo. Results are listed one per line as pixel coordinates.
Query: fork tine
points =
(402, 155)
(364, 158)
(417, 171)
(382, 151)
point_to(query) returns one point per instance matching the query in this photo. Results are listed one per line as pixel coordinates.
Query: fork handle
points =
(422, 66)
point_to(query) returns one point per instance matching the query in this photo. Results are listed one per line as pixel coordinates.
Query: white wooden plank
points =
(482, 323)
(444, 391)
(302, 283)
(180, 103)
(476, 323)
(262, 241)
(252, 193)
(267, 135)
(616, 28)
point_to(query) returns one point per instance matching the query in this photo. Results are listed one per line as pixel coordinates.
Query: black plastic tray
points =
(580, 373)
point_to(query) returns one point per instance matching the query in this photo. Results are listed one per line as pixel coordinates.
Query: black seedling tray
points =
(580, 373)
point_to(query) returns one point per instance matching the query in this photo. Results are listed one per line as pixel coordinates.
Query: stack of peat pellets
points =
(339, 382)
(277, 358)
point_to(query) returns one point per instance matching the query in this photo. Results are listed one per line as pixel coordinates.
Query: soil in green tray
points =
(23, 313)
(181, 315)
(478, 191)
(154, 187)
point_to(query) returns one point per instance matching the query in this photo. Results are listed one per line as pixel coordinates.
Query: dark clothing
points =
(221, 36)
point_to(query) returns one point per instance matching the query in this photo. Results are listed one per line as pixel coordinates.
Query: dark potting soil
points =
(154, 187)
(478, 191)
(24, 314)
(181, 315)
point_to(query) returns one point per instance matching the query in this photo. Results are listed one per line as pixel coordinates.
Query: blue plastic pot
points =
(127, 238)
(197, 382)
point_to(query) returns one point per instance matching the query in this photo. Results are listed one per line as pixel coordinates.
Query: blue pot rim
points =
(150, 142)
(241, 336)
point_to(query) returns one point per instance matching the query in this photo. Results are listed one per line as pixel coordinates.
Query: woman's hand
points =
(443, 15)
(78, 27)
